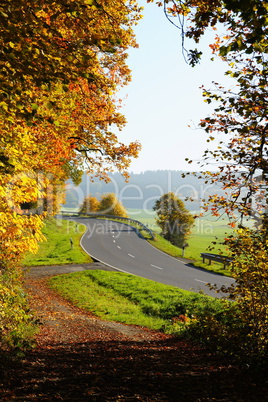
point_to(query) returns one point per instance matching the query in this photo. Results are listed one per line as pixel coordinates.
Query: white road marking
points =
(119, 247)
(197, 280)
(131, 255)
(114, 241)
(155, 266)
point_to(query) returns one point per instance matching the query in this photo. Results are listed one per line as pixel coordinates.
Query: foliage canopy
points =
(174, 219)
(241, 149)
(110, 205)
(245, 23)
(61, 66)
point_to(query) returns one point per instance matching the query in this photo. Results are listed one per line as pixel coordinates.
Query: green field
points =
(57, 249)
(115, 296)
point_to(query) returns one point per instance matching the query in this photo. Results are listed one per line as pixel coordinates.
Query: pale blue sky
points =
(164, 96)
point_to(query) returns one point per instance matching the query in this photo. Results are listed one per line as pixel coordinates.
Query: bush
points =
(90, 204)
(17, 324)
(110, 205)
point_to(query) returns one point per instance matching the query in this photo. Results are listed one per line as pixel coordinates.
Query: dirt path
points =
(81, 358)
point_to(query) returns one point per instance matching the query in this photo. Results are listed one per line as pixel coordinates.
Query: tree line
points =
(173, 218)
(143, 189)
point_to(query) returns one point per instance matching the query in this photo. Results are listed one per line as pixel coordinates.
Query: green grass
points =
(200, 242)
(57, 249)
(164, 245)
(207, 236)
(205, 233)
(115, 296)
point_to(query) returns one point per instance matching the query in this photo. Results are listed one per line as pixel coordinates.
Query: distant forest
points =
(142, 189)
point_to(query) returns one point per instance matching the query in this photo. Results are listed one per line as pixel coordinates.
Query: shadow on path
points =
(81, 358)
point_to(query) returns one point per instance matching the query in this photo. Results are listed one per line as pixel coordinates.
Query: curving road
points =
(120, 246)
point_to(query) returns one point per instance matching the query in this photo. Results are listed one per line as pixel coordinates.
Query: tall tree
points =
(174, 219)
(242, 151)
(242, 158)
(61, 66)
(46, 42)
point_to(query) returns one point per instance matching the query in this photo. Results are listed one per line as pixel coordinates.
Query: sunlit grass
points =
(115, 296)
(57, 249)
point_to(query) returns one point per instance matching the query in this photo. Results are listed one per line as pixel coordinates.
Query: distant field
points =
(206, 232)
(145, 216)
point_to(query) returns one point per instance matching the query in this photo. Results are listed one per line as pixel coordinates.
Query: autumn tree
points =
(110, 205)
(251, 290)
(239, 129)
(241, 154)
(174, 219)
(241, 117)
(58, 103)
(61, 66)
(244, 24)
(90, 204)
(61, 42)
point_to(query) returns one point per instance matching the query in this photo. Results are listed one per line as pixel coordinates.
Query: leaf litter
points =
(79, 357)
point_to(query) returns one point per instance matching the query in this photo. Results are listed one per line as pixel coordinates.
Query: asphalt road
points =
(120, 246)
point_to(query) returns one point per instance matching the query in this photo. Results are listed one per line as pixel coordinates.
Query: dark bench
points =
(223, 259)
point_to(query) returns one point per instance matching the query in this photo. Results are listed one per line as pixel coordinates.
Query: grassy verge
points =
(207, 236)
(57, 249)
(120, 297)
(163, 245)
